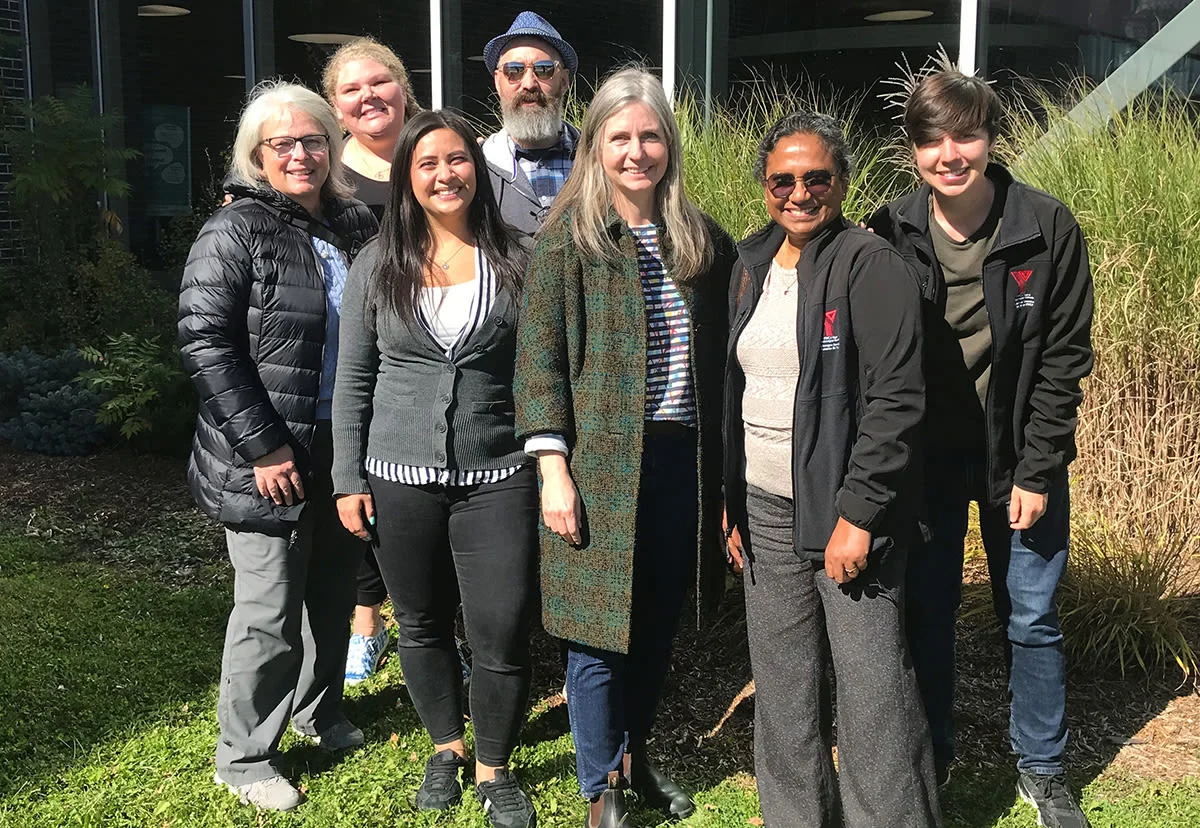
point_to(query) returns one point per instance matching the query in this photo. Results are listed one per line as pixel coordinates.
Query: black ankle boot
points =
(657, 789)
(615, 813)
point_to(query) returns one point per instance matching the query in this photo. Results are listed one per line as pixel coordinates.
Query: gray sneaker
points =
(1056, 806)
(273, 794)
(341, 735)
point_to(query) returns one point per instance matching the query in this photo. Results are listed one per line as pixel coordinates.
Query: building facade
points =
(179, 72)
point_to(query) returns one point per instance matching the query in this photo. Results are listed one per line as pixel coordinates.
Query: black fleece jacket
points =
(1037, 288)
(252, 335)
(860, 394)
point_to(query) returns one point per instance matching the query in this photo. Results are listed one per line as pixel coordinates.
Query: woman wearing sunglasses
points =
(823, 399)
(619, 365)
(258, 332)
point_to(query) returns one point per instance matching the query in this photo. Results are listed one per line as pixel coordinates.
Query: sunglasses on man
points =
(816, 182)
(514, 70)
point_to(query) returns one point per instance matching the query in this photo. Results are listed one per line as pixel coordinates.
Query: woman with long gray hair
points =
(258, 332)
(618, 394)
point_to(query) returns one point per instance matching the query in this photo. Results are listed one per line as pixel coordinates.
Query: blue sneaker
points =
(362, 658)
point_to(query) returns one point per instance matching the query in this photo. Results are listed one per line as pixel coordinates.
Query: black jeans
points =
(478, 544)
(369, 582)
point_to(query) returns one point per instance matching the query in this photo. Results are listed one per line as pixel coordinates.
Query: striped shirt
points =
(547, 169)
(669, 393)
(430, 318)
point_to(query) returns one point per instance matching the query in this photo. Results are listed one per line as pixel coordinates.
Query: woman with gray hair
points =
(619, 360)
(823, 397)
(258, 332)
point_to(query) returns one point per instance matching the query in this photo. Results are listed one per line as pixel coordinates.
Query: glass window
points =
(1058, 41)
(69, 35)
(182, 86)
(842, 47)
(307, 33)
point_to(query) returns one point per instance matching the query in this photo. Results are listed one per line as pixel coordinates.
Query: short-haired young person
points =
(1008, 290)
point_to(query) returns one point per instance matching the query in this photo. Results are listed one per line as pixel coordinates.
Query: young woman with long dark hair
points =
(426, 460)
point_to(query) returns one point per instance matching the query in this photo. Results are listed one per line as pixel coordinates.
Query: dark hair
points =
(806, 123)
(404, 236)
(951, 103)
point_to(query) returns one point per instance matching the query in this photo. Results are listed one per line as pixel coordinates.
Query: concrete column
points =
(258, 41)
(453, 57)
(105, 19)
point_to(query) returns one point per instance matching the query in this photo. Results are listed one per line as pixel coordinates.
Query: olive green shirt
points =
(966, 314)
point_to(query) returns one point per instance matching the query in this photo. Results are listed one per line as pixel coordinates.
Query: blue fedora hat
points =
(529, 24)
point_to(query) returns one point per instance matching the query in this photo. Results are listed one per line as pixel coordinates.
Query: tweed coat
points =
(581, 373)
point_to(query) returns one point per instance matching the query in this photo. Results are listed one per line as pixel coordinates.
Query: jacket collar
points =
(758, 249)
(498, 152)
(1019, 224)
(331, 208)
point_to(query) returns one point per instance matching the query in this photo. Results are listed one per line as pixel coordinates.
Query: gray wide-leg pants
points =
(285, 644)
(797, 618)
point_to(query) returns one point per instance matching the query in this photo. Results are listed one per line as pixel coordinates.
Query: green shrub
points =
(1122, 601)
(74, 283)
(24, 373)
(147, 397)
(62, 421)
(42, 409)
(81, 299)
(60, 168)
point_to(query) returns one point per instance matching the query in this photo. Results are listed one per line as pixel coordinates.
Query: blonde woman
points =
(258, 332)
(618, 392)
(369, 89)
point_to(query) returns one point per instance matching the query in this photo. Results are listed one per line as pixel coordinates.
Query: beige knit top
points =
(769, 357)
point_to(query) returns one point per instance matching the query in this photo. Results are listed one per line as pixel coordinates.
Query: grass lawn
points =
(108, 693)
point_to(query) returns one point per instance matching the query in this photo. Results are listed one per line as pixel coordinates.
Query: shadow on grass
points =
(90, 653)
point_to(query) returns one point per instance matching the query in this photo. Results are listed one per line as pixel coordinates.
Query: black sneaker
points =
(1056, 807)
(441, 788)
(506, 805)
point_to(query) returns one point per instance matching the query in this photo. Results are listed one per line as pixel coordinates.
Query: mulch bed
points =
(134, 510)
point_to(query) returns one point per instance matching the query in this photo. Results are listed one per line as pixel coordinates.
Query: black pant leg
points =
(493, 535)
(414, 557)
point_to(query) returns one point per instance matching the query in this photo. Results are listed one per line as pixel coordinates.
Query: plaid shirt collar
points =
(565, 147)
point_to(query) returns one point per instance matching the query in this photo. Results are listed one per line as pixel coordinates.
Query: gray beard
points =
(536, 125)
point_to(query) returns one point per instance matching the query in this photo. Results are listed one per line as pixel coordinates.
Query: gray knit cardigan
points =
(400, 399)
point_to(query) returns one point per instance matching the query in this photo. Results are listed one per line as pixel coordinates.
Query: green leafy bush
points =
(74, 283)
(147, 397)
(81, 299)
(1121, 598)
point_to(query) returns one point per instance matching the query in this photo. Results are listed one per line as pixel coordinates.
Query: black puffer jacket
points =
(252, 333)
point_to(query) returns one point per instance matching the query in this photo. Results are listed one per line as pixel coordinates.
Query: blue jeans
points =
(612, 697)
(1025, 568)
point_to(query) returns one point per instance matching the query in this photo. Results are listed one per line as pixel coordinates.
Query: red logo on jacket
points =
(1021, 277)
(831, 341)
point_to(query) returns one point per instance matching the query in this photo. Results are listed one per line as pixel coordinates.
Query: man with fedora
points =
(530, 158)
